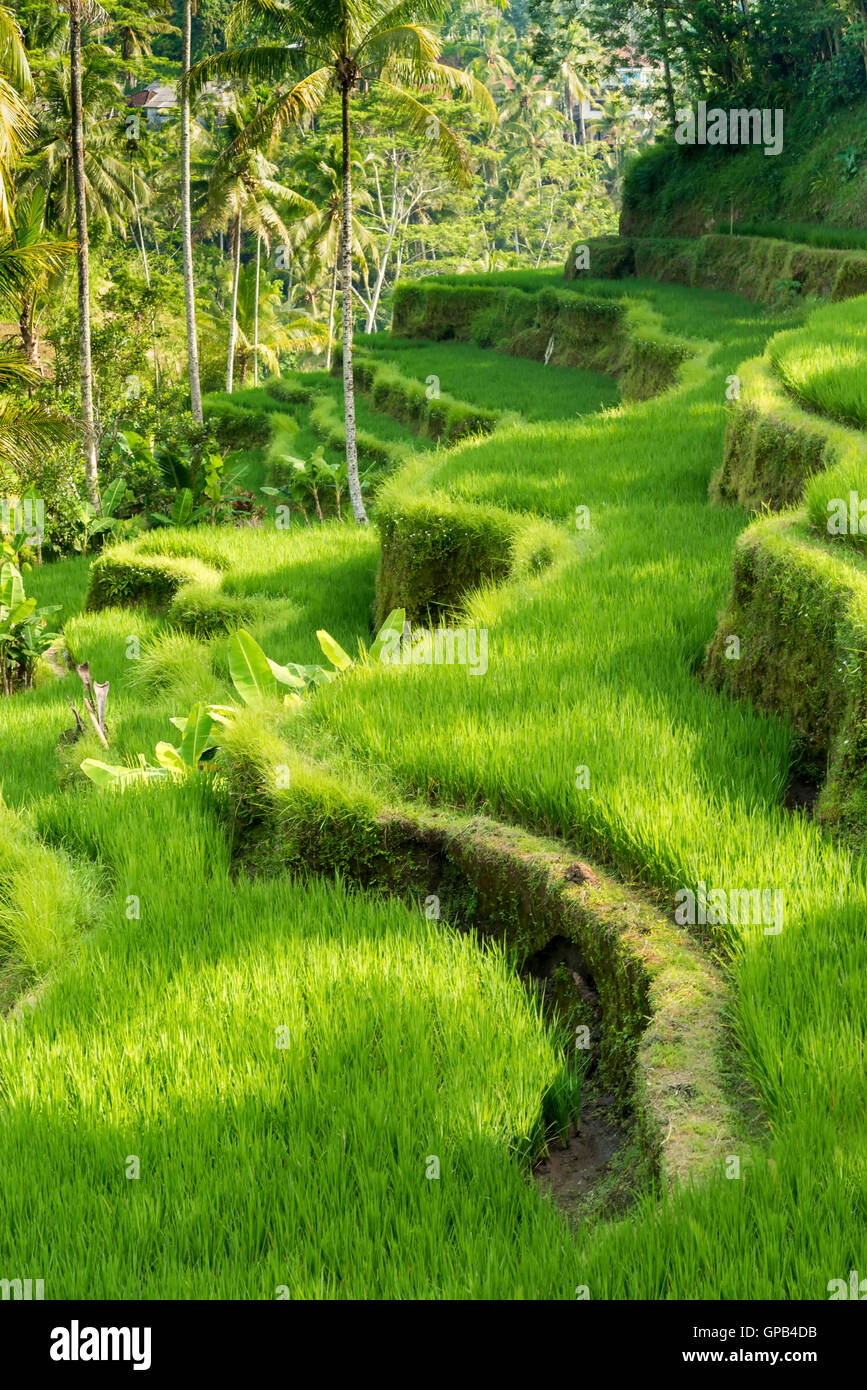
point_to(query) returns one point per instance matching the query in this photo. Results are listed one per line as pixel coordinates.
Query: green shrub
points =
(124, 576)
(236, 426)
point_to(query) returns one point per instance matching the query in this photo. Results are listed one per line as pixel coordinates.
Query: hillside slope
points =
(819, 177)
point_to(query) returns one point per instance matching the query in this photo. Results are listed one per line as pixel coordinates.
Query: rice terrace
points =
(433, 653)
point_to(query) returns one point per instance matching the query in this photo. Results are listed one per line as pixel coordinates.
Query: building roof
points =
(154, 98)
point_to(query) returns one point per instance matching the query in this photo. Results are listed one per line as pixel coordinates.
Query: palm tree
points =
(15, 120)
(336, 44)
(320, 233)
(265, 327)
(78, 9)
(28, 235)
(75, 164)
(187, 225)
(110, 186)
(243, 190)
(138, 26)
(26, 429)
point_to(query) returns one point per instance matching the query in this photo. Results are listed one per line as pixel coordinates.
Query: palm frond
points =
(422, 121)
(415, 43)
(264, 63)
(13, 58)
(270, 17)
(27, 430)
(21, 266)
(443, 79)
(303, 97)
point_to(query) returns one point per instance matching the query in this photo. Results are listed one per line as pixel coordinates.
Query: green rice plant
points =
(462, 372)
(46, 900)
(286, 1056)
(806, 233)
(824, 364)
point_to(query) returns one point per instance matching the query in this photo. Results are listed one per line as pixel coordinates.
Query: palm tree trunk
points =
(256, 311)
(329, 353)
(28, 336)
(666, 65)
(187, 230)
(144, 257)
(233, 321)
(348, 380)
(570, 113)
(84, 358)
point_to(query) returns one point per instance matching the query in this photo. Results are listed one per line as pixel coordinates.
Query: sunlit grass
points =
(498, 382)
(304, 1167)
(824, 364)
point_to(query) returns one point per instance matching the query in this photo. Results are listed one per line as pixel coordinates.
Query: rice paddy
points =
(231, 1084)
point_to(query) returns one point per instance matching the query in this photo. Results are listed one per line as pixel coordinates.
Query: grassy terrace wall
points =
(758, 268)
(799, 594)
(623, 340)
(776, 453)
(436, 549)
(798, 607)
(441, 418)
(658, 1027)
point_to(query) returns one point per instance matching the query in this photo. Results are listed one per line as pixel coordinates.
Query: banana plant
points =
(24, 634)
(296, 491)
(255, 676)
(198, 748)
(309, 481)
(210, 494)
(93, 522)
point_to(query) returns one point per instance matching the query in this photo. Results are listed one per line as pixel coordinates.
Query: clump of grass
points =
(824, 364)
(46, 901)
(174, 664)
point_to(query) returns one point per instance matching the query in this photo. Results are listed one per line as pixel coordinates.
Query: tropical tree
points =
(26, 429)
(29, 237)
(187, 224)
(266, 328)
(79, 9)
(15, 121)
(63, 166)
(110, 187)
(310, 49)
(320, 232)
(244, 191)
(138, 25)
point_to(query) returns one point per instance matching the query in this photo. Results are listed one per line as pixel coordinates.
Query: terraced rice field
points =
(283, 1058)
